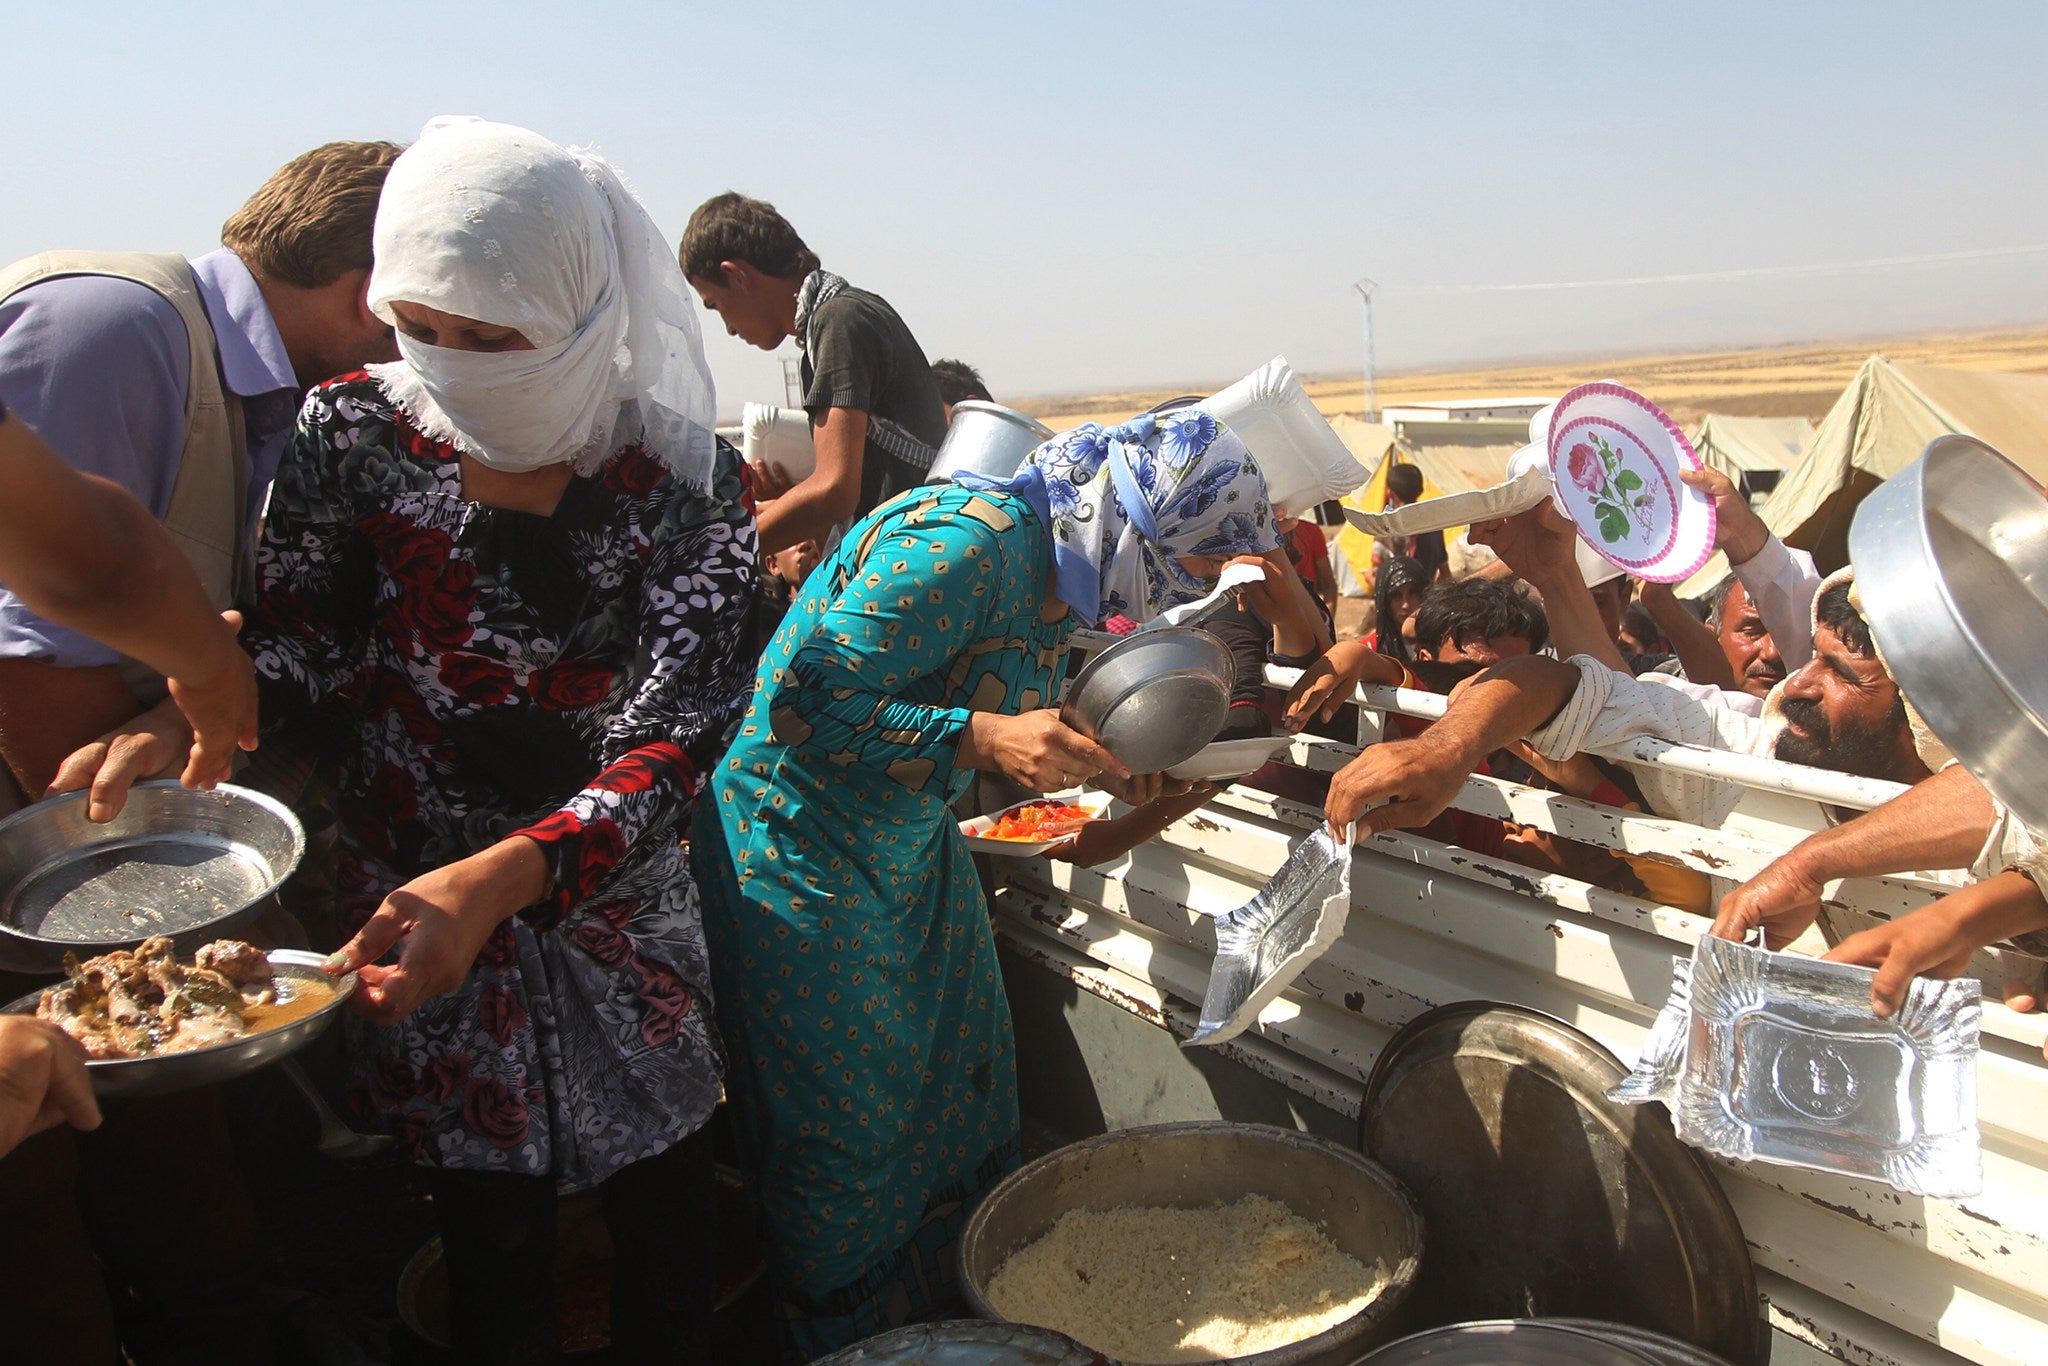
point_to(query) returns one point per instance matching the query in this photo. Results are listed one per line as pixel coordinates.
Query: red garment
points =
(1306, 546)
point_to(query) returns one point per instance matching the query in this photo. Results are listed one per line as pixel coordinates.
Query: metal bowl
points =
(1361, 1208)
(986, 438)
(1507, 1342)
(966, 1342)
(1951, 557)
(118, 1077)
(177, 862)
(1153, 699)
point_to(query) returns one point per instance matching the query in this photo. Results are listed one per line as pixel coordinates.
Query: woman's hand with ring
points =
(1037, 749)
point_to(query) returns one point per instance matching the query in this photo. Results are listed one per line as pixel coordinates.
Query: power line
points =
(1751, 273)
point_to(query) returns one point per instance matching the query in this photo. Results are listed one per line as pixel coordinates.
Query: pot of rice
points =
(1199, 1242)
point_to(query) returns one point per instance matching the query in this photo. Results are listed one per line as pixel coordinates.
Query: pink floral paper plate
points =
(1615, 458)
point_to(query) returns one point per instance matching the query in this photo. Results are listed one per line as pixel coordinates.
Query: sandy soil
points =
(1801, 381)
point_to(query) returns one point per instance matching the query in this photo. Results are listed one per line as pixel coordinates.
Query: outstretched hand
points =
(1328, 683)
(1738, 532)
(156, 744)
(1922, 943)
(1397, 784)
(440, 922)
(43, 1081)
(1783, 899)
(1538, 544)
(221, 709)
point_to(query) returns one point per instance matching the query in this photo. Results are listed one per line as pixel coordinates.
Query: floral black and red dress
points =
(568, 677)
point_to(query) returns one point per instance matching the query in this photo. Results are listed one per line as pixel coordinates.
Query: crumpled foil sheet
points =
(1264, 944)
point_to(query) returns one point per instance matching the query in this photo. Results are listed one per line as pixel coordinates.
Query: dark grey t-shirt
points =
(860, 355)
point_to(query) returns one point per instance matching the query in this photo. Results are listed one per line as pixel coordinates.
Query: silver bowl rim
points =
(344, 987)
(1401, 1277)
(1099, 662)
(42, 809)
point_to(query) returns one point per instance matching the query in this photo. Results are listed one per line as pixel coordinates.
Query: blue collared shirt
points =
(99, 367)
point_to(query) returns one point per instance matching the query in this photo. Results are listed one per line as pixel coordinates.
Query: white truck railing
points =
(1853, 1268)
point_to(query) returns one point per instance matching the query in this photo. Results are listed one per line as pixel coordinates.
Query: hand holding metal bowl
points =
(1951, 559)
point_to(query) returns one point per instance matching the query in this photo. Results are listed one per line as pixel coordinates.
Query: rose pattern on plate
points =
(1620, 503)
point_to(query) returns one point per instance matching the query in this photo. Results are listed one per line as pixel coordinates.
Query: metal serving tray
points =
(1773, 1057)
(1264, 944)
(113, 1078)
(175, 862)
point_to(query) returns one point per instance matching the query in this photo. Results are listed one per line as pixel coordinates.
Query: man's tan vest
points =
(210, 500)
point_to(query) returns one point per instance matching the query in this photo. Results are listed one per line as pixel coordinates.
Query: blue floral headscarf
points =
(1125, 502)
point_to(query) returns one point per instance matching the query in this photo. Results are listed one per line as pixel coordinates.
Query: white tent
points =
(1879, 425)
(1737, 445)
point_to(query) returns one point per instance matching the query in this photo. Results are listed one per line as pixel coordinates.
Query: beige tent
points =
(1879, 425)
(1737, 445)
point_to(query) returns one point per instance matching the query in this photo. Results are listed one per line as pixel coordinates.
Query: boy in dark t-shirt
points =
(876, 417)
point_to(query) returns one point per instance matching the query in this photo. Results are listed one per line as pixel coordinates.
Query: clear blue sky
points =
(1081, 196)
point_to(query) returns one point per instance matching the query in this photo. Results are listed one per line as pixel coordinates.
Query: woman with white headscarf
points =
(873, 1075)
(514, 568)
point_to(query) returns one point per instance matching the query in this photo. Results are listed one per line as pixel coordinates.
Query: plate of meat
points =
(1030, 828)
(151, 1021)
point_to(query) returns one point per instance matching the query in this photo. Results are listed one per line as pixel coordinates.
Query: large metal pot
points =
(1361, 1208)
(1155, 698)
(1951, 557)
(1508, 1342)
(190, 865)
(986, 438)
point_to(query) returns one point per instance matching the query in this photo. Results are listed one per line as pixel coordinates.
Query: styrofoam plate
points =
(1223, 759)
(1094, 803)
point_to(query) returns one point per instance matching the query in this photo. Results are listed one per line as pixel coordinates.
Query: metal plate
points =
(1951, 560)
(119, 1077)
(1785, 1063)
(1153, 698)
(1266, 943)
(1542, 1197)
(175, 862)
(967, 1342)
(1506, 1343)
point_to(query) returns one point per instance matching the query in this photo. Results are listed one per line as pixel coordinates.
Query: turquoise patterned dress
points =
(873, 1073)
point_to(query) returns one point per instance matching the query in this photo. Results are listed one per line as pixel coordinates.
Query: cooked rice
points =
(1178, 1285)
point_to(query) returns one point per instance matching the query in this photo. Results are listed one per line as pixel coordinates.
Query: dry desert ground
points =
(1790, 381)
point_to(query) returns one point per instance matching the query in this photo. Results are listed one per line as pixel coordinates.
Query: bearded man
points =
(1839, 710)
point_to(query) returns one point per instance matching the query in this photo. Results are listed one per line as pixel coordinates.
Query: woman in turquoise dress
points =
(872, 1072)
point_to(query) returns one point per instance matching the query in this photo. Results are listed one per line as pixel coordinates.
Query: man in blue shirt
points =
(179, 381)
(175, 378)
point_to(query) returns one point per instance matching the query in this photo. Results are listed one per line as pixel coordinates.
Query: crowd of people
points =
(642, 764)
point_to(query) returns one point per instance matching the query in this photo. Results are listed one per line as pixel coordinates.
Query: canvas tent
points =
(1879, 425)
(1453, 458)
(1739, 445)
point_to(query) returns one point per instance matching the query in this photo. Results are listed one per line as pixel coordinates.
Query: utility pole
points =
(792, 382)
(1365, 288)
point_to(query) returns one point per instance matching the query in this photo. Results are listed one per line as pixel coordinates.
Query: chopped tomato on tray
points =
(1039, 821)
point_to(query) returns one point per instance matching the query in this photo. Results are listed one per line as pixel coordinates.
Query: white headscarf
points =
(496, 223)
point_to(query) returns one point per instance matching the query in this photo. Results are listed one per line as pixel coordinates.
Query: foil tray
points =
(1264, 944)
(1773, 1057)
